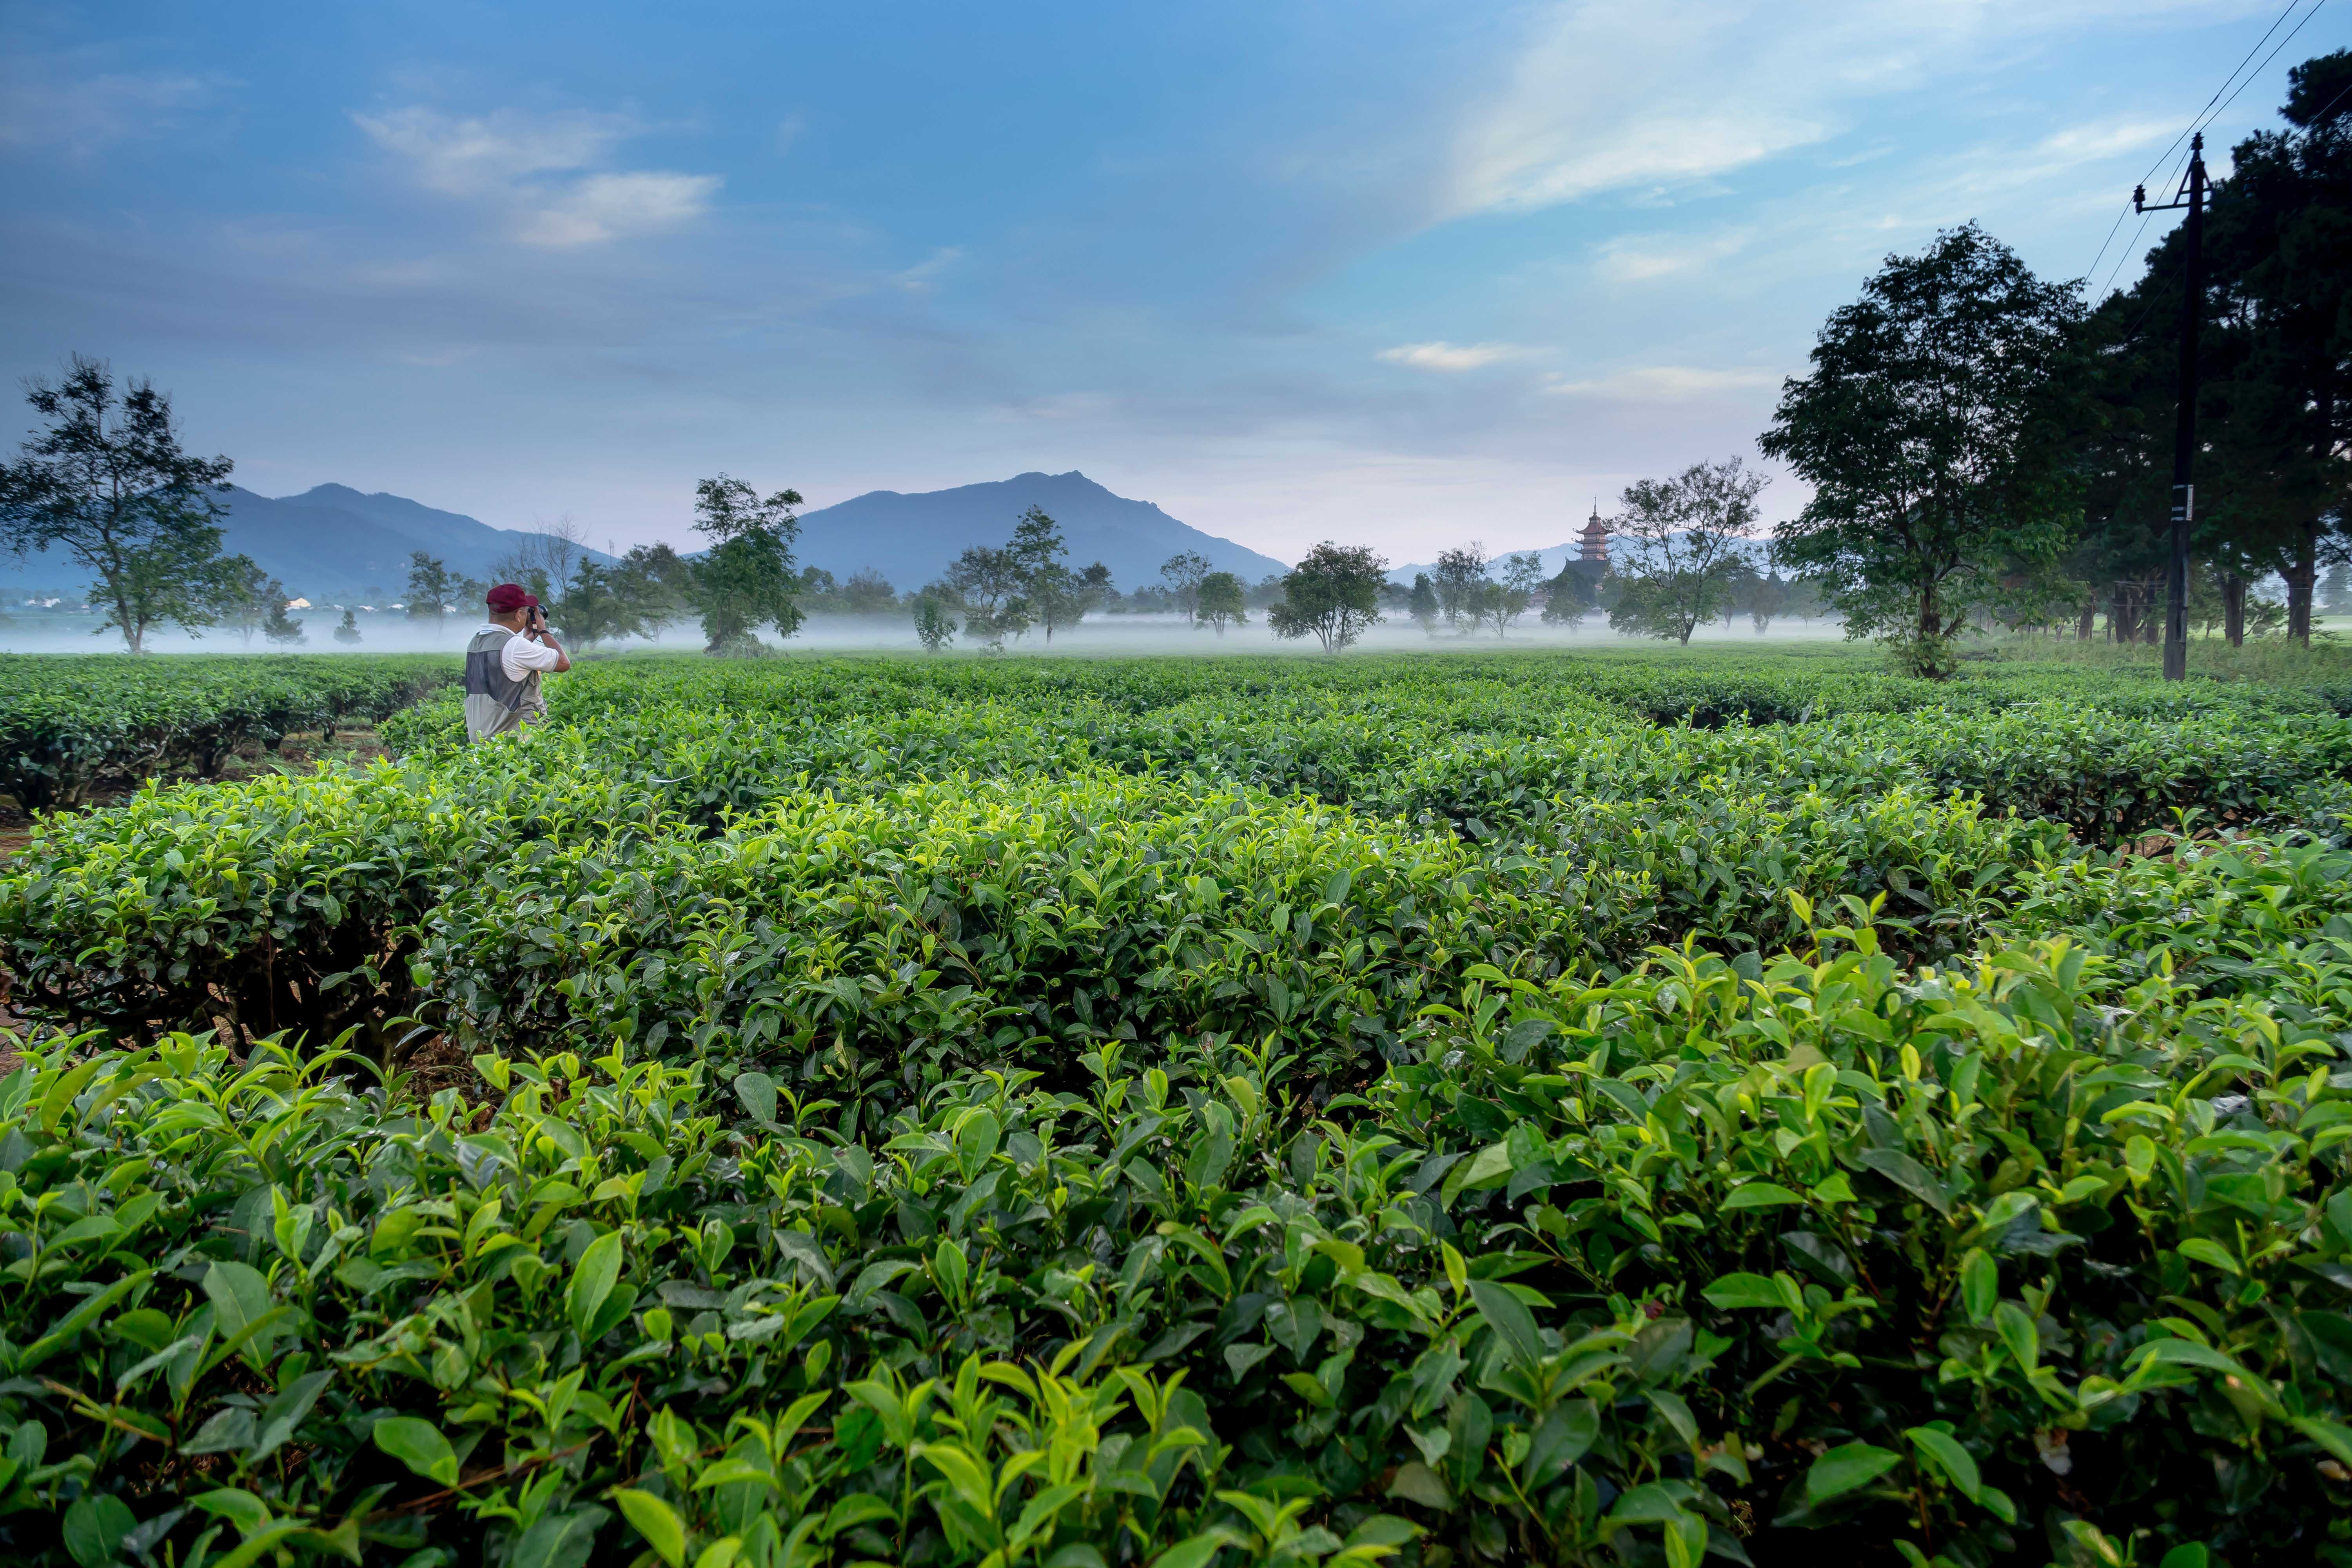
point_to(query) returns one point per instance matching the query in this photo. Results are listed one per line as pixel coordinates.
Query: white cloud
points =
(43, 103)
(1450, 359)
(921, 278)
(613, 207)
(1640, 258)
(1605, 96)
(1668, 384)
(540, 172)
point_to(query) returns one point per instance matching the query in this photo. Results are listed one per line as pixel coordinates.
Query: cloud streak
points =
(1609, 97)
(539, 175)
(1450, 359)
(45, 103)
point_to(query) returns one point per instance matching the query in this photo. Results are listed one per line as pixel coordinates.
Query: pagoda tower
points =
(1594, 543)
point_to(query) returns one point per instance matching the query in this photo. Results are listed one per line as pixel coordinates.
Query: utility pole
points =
(2192, 196)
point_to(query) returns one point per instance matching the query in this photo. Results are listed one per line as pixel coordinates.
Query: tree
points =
(2275, 420)
(1522, 579)
(1940, 430)
(598, 603)
(1222, 603)
(934, 628)
(988, 582)
(1459, 572)
(1767, 596)
(107, 484)
(868, 592)
(544, 560)
(282, 629)
(1567, 597)
(745, 580)
(1334, 594)
(1182, 572)
(1054, 596)
(349, 631)
(2336, 590)
(1421, 603)
(658, 583)
(248, 596)
(1682, 537)
(432, 589)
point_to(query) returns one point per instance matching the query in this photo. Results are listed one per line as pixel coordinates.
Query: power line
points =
(2282, 43)
(2164, 156)
(2146, 218)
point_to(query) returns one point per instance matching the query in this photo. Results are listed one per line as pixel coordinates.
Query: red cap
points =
(508, 596)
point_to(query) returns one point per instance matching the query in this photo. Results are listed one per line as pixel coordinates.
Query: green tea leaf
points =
(1759, 1195)
(655, 1519)
(591, 1280)
(1847, 1467)
(418, 1444)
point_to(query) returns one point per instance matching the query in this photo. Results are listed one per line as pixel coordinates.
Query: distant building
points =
(1593, 542)
(1593, 547)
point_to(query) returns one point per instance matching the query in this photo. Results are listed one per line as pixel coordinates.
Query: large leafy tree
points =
(1058, 598)
(2280, 323)
(1461, 582)
(1224, 601)
(1569, 597)
(1939, 430)
(994, 590)
(1422, 604)
(745, 580)
(1182, 572)
(1334, 596)
(106, 482)
(251, 600)
(1682, 548)
(432, 589)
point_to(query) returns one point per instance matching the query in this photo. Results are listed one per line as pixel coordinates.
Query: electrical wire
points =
(2124, 259)
(2197, 120)
(2267, 58)
(2206, 118)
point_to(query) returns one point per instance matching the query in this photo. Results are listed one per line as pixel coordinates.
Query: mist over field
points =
(1117, 634)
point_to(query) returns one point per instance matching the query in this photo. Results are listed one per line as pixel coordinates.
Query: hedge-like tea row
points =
(69, 724)
(1999, 1262)
(518, 903)
(1449, 1112)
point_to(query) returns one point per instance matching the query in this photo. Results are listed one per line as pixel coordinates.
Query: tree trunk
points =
(2088, 621)
(2302, 576)
(2122, 615)
(2233, 608)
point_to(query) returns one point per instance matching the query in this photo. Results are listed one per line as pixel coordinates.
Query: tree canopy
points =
(1333, 595)
(1940, 431)
(106, 482)
(745, 581)
(1682, 538)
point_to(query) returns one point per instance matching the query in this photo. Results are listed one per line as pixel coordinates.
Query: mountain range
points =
(1554, 558)
(333, 542)
(912, 539)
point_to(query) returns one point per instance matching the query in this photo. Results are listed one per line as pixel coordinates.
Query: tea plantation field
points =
(1441, 1110)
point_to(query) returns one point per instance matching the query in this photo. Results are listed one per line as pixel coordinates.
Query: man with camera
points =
(504, 662)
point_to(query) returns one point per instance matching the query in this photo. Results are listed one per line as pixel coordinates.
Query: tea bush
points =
(69, 724)
(1447, 1111)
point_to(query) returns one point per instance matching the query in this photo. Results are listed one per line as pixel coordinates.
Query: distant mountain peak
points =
(912, 539)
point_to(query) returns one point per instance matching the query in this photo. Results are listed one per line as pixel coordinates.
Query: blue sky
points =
(1402, 274)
